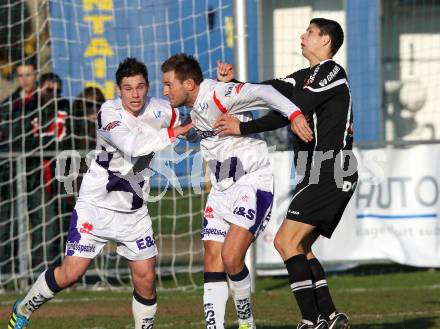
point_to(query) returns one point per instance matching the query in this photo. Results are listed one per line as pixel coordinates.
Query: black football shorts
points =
(321, 204)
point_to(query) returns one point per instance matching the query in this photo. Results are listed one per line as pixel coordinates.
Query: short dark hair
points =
(130, 67)
(333, 30)
(51, 77)
(88, 101)
(185, 66)
(92, 93)
(28, 62)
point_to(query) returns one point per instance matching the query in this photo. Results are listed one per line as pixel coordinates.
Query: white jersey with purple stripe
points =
(231, 157)
(117, 178)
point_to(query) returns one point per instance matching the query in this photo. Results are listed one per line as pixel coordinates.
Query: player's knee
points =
(286, 244)
(211, 257)
(144, 278)
(232, 263)
(144, 283)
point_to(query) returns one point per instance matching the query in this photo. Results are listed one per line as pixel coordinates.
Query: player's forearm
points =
(282, 86)
(154, 142)
(271, 121)
(140, 143)
(278, 102)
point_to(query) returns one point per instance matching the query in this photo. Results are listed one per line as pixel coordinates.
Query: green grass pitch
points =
(408, 300)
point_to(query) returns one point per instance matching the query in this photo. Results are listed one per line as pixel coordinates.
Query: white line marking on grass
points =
(165, 296)
(395, 314)
(89, 299)
(362, 290)
(75, 300)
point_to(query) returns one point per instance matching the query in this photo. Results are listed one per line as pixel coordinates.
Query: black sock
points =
(300, 279)
(322, 293)
(51, 282)
(144, 301)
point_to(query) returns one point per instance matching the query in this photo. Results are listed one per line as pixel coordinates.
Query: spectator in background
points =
(26, 74)
(47, 136)
(13, 106)
(11, 109)
(85, 110)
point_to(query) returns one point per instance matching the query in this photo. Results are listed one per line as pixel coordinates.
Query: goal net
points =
(82, 42)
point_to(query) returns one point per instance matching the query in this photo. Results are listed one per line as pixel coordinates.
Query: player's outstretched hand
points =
(301, 127)
(227, 125)
(225, 71)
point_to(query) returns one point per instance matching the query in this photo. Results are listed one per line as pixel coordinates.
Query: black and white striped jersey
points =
(323, 94)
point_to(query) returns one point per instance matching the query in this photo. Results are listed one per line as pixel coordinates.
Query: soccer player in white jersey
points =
(241, 176)
(111, 203)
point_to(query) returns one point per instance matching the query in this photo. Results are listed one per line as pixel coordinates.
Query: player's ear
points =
(326, 41)
(189, 84)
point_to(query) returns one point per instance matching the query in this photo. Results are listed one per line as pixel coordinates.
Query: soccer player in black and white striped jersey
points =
(329, 167)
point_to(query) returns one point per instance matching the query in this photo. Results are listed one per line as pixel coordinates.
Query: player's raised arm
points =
(238, 98)
(225, 72)
(230, 125)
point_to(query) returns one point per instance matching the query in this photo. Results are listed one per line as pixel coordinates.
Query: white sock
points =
(215, 297)
(143, 314)
(241, 293)
(39, 294)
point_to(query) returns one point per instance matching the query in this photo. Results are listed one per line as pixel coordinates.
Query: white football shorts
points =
(247, 204)
(91, 227)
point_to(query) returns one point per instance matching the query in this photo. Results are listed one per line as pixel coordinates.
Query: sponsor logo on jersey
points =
(157, 114)
(312, 77)
(293, 212)
(209, 212)
(348, 186)
(203, 107)
(145, 243)
(212, 231)
(75, 246)
(246, 213)
(237, 87)
(86, 228)
(112, 125)
(245, 198)
(229, 89)
(330, 76)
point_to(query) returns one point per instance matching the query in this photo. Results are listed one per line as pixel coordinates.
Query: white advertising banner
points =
(393, 214)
